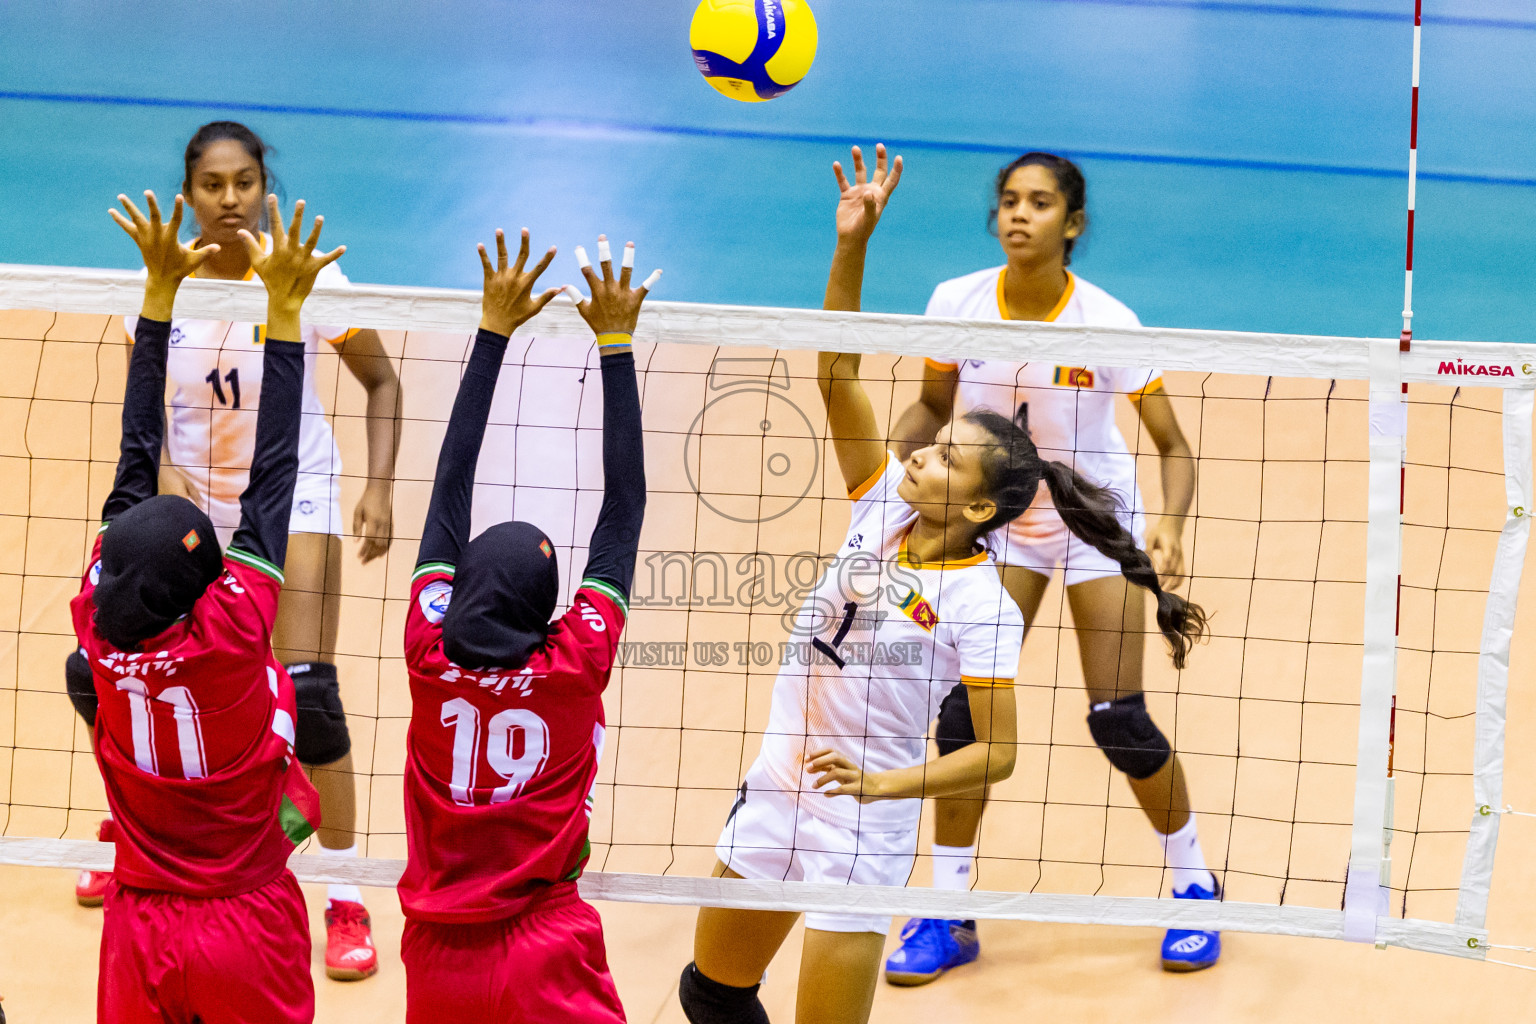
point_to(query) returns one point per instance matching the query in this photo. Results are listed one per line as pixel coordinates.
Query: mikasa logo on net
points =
(1461, 368)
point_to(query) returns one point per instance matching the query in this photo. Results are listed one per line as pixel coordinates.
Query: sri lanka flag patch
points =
(919, 611)
(1073, 377)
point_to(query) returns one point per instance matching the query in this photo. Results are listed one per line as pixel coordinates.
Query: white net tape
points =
(1366, 913)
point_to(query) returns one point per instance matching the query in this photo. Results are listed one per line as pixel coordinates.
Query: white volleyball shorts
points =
(769, 835)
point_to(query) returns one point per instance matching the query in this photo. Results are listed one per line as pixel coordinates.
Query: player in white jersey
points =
(910, 607)
(214, 371)
(1069, 412)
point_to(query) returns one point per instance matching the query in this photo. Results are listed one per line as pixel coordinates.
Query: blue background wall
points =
(1246, 160)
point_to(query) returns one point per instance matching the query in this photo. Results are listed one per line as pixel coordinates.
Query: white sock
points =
(952, 867)
(336, 892)
(1182, 853)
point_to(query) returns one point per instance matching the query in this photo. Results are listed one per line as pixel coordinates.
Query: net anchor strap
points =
(1493, 665)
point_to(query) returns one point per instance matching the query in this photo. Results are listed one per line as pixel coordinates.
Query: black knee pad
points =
(1128, 736)
(706, 1001)
(954, 730)
(81, 687)
(321, 734)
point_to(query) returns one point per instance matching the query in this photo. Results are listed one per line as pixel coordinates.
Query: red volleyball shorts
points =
(169, 958)
(546, 965)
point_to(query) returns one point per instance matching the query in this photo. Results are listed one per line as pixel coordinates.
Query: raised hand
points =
(289, 270)
(508, 301)
(861, 202)
(614, 307)
(166, 259)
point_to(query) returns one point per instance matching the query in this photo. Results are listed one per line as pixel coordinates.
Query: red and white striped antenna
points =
(1405, 343)
(1413, 178)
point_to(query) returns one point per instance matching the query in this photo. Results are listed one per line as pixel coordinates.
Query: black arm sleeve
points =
(447, 527)
(138, 460)
(616, 538)
(267, 502)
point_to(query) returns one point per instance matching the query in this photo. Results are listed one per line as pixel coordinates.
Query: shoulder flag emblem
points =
(1073, 377)
(919, 611)
(191, 540)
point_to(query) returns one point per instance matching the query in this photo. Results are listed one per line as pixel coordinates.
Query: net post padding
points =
(749, 894)
(1365, 889)
(1493, 664)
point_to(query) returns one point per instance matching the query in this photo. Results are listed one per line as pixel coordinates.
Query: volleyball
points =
(753, 50)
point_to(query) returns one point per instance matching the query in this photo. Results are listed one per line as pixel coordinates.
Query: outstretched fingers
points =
(539, 267)
(314, 236)
(253, 248)
(177, 209)
(842, 179)
(501, 251)
(860, 171)
(296, 224)
(327, 258)
(135, 222)
(605, 257)
(889, 185)
(545, 298)
(154, 209)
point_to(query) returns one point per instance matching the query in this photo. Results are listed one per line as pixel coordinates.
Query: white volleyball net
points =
(1342, 739)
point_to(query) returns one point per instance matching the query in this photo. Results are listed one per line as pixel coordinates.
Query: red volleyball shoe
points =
(349, 952)
(91, 886)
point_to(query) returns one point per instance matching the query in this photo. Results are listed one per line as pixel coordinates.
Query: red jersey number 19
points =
(503, 733)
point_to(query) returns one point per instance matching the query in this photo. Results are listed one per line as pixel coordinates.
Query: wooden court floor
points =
(1263, 717)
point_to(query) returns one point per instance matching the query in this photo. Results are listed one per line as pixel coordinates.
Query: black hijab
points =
(504, 592)
(157, 558)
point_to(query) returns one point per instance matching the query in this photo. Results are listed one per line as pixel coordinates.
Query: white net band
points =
(750, 894)
(120, 293)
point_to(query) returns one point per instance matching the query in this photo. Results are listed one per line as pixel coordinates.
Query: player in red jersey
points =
(194, 732)
(507, 706)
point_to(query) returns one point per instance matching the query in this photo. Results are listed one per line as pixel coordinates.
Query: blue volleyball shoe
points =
(1186, 949)
(929, 948)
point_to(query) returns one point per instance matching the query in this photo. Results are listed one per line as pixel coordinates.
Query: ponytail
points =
(1089, 512)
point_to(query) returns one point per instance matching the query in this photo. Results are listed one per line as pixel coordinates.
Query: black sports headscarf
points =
(504, 592)
(157, 558)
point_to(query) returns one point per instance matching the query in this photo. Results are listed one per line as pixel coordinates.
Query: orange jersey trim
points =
(1155, 384)
(250, 272)
(863, 488)
(1061, 303)
(978, 681)
(905, 560)
(940, 365)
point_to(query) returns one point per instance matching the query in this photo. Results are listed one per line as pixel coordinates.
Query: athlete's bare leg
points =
(308, 619)
(734, 947)
(1110, 618)
(838, 972)
(957, 819)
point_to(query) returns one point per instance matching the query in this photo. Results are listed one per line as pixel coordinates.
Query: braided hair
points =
(1012, 469)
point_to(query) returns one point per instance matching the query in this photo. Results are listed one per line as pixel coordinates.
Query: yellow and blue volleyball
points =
(753, 50)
